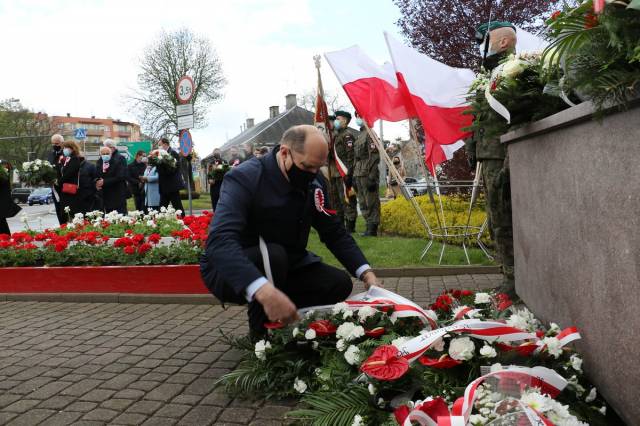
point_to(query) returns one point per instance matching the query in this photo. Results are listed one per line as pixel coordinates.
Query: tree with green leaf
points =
(24, 134)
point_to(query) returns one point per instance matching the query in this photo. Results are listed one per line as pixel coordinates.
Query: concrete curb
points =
(208, 299)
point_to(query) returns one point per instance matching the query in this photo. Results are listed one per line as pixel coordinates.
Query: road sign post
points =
(185, 90)
(186, 148)
(81, 133)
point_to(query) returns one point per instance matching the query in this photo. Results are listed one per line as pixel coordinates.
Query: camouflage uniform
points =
(495, 174)
(367, 181)
(343, 140)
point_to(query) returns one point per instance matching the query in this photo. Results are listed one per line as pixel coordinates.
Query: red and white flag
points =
(372, 88)
(437, 94)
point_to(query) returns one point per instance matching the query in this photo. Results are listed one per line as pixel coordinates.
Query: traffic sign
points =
(186, 143)
(184, 109)
(185, 122)
(185, 89)
(80, 133)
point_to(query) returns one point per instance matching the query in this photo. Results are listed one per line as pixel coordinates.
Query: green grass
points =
(395, 252)
(202, 203)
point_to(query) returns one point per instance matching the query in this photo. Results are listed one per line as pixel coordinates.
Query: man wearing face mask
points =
(344, 139)
(111, 175)
(278, 198)
(134, 171)
(55, 158)
(497, 40)
(367, 179)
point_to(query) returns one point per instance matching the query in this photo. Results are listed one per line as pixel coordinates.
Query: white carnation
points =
(341, 345)
(512, 68)
(523, 319)
(553, 346)
(347, 314)
(339, 307)
(299, 386)
(482, 298)
(366, 312)
(488, 351)
(352, 355)
(310, 334)
(261, 349)
(461, 348)
(349, 331)
(576, 363)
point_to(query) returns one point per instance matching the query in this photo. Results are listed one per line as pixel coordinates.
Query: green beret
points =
(481, 31)
(344, 114)
(331, 117)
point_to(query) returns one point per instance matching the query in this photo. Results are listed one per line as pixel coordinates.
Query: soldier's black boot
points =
(372, 231)
(351, 226)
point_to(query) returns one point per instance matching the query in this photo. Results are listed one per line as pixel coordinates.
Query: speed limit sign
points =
(185, 89)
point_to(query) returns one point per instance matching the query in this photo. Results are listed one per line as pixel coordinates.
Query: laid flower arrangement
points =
(519, 91)
(164, 162)
(380, 359)
(596, 45)
(112, 239)
(218, 171)
(37, 172)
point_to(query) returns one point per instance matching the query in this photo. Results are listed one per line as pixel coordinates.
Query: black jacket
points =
(69, 174)
(114, 190)
(7, 207)
(171, 182)
(257, 200)
(134, 171)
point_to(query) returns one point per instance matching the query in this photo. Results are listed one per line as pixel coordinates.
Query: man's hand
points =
(276, 304)
(369, 279)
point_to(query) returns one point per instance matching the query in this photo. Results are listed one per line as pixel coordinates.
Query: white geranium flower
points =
(39, 162)
(25, 166)
(151, 224)
(341, 345)
(36, 168)
(349, 331)
(399, 341)
(536, 401)
(366, 312)
(300, 386)
(261, 349)
(576, 363)
(553, 346)
(352, 355)
(482, 298)
(461, 348)
(357, 420)
(347, 314)
(592, 395)
(295, 331)
(488, 351)
(372, 389)
(310, 334)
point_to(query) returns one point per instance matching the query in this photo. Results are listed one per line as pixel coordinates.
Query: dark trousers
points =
(4, 226)
(309, 285)
(138, 199)
(60, 213)
(173, 198)
(214, 191)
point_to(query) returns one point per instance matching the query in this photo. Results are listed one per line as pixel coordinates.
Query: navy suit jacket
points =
(257, 200)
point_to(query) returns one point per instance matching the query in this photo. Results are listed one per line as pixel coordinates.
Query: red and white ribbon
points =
(565, 337)
(318, 198)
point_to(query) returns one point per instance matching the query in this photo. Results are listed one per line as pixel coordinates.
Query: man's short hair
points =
(294, 138)
(140, 152)
(164, 140)
(110, 143)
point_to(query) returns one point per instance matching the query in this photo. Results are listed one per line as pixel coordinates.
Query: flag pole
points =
(397, 177)
(320, 94)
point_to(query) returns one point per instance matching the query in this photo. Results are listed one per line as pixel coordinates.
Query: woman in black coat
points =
(7, 207)
(87, 192)
(69, 174)
(111, 182)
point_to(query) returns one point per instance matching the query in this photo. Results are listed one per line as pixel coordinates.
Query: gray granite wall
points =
(575, 187)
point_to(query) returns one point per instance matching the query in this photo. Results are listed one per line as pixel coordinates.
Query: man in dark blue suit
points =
(278, 198)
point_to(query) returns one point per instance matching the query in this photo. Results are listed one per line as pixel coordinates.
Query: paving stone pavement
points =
(133, 364)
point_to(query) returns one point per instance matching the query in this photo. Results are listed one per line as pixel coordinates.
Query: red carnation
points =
(375, 332)
(503, 301)
(323, 328)
(443, 362)
(144, 248)
(385, 364)
(130, 250)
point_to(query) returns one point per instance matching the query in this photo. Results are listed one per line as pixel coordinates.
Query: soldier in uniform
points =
(366, 177)
(497, 44)
(343, 140)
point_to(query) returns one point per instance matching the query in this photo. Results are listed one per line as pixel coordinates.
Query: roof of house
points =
(270, 131)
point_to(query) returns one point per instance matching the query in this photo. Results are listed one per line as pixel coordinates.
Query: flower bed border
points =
(151, 279)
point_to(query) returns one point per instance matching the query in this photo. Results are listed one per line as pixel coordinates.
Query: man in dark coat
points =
(215, 177)
(7, 207)
(134, 171)
(87, 200)
(111, 183)
(54, 157)
(170, 182)
(278, 198)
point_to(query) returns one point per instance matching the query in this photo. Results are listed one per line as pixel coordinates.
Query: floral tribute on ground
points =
(96, 239)
(380, 359)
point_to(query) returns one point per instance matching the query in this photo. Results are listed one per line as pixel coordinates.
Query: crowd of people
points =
(82, 186)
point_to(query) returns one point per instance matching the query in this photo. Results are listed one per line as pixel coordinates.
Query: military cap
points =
(344, 114)
(331, 117)
(481, 31)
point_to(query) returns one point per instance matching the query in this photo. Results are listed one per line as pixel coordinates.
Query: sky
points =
(82, 57)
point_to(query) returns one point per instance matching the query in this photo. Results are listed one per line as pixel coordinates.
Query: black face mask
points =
(57, 148)
(298, 178)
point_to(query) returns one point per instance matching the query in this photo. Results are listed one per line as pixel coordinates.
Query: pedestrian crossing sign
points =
(80, 133)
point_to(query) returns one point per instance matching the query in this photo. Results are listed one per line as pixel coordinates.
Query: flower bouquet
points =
(361, 361)
(37, 172)
(4, 173)
(164, 162)
(218, 171)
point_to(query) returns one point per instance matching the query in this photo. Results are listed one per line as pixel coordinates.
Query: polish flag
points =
(437, 93)
(372, 88)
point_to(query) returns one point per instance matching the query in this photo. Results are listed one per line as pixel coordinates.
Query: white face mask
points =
(489, 51)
